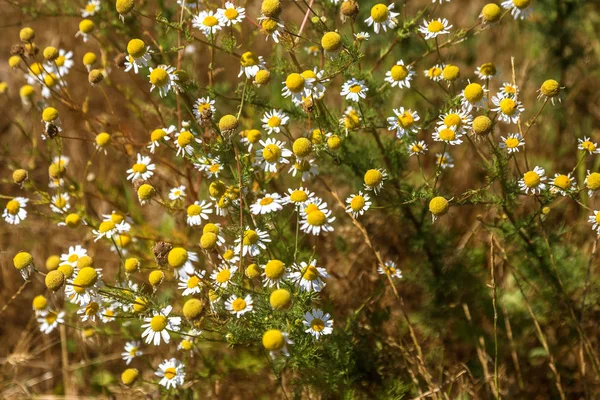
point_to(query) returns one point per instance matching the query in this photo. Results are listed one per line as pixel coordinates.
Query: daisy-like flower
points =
(159, 325)
(92, 310)
(253, 242)
(473, 97)
(271, 28)
(435, 73)
(86, 27)
(270, 202)
(563, 184)
(447, 135)
(350, 119)
(138, 55)
(210, 165)
(592, 182)
(519, 9)
(83, 287)
(296, 86)
(276, 341)
(444, 160)
(73, 255)
(272, 155)
(50, 321)
(509, 109)
(374, 179)
(204, 108)
(182, 261)
(171, 373)
(533, 181)
(177, 193)
(357, 204)
(15, 212)
(458, 119)
(229, 256)
(239, 306)
(382, 16)
(159, 135)
(317, 323)
(132, 350)
(273, 121)
(298, 197)
(404, 122)
(586, 144)
(250, 138)
(308, 276)
(197, 212)
(362, 36)
(143, 169)
(164, 79)
(107, 315)
(594, 220)
(316, 218)
(223, 275)
(317, 91)
(306, 167)
(62, 64)
(230, 15)
(509, 90)
(184, 140)
(512, 142)
(390, 268)
(208, 22)
(191, 284)
(108, 229)
(59, 203)
(250, 64)
(486, 71)
(274, 273)
(354, 90)
(91, 8)
(400, 75)
(417, 148)
(435, 27)
(187, 344)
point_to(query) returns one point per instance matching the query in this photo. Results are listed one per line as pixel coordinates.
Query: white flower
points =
(164, 79)
(253, 242)
(197, 212)
(159, 325)
(73, 255)
(435, 73)
(595, 220)
(171, 372)
(273, 121)
(317, 323)
(207, 22)
(275, 273)
(533, 181)
(317, 90)
(273, 29)
(592, 182)
(512, 142)
(160, 134)
(444, 160)
(90, 9)
(518, 9)
(230, 15)
(92, 310)
(272, 155)
(354, 90)
(223, 275)
(184, 140)
(374, 179)
(239, 306)
(350, 120)
(509, 90)
(309, 277)
(404, 122)
(49, 321)
(459, 119)
(306, 167)
(191, 284)
(107, 315)
(316, 218)
(132, 350)
(298, 197)
(417, 148)
(362, 36)
(204, 107)
(59, 203)
(435, 27)
(251, 64)
(390, 268)
(177, 193)
(137, 62)
(400, 75)
(586, 144)
(210, 165)
(269, 203)
(143, 169)
(563, 184)
(473, 96)
(62, 64)
(486, 71)
(382, 17)
(295, 85)
(509, 109)
(447, 135)
(15, 212)
(357, 204)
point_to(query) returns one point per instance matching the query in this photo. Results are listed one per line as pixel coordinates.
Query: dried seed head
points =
(161, 252)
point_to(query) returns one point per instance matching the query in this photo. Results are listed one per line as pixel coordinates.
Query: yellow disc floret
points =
(438, 206)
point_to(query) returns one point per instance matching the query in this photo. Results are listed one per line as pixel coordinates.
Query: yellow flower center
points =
(193, 282)
(434, 72)
(562, 181)
(194, 210)
(250, 237)
(269, 25)
(170, 373)
(317, 325)
(157, 134)
(13, 207)
(139, 168)
(231, 13)
(379, 13)
(60, 202)
(589, 146)
(510, 89)
(248, 59)
(316, 218)
(511, 142)
(184, 138)
(223, 276)
(435, 26)
(521, 4)
(159, 77)
(508, 106)
(453, 120)
(473, 92)
(357, 203)
(593, 181)
(298, 196)
(238, 304)
(266, 201)
(294, 82)
(158, 323)
(355, 88)
(133, 351)
(271, 153)
(373, 177)
(399, 72)
(531, 179)
(60, 61)
(51, 317)
(310, 273)
(210, 21)
(274, 269)
(406, 120)
(274, 121)
(92, 308)
(106, 226)
(447, 134)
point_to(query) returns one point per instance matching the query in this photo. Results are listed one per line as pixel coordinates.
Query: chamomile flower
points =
(435, 73)
(271, 28)
(250, 64)
(592, 182)
(317, 323)
(315, 218)
(208, 22)
(586, 144)
(210, 165)
(354, 90)
(50, 321)
(204, 108)
(435, 27)
(550, 90)
(298, 197)
(177, 193)
(270, 202)
(306, 167)
(132, 350)
(382, 16)
(143, 169)
(91, 311)
(357, 204)
(138, 55)
(595, 221)
(107, 229)
(276, 341)
(533, 181)
(59, 203)
(448, 135)
(275, 272)
(512, 142)
(73, 255)
(362, 36)
(444, 160)
(250, 138)
(509, 109)
(191, 284)
(229, 256)
(107, 315)
(158, 135)
(23, 262)
(308, 276)
(374, 179)
(86, 27)
(239, 306)
(230, 15)
(164, 79)
(509, 90)
(171, 373)
(404, 122)
(91, 8)
(563, 184)
(84, 286)
(458, 119)
(486, 71)
(159, 325)
(197, 212)
(350, 120)
(15, 212)
(417, 148)
(183, 142)
(390, 268)
(253, 242)
(473, 96)
(272, 155)
(400, 75)
(519, 9)
(317, 90)
(273, 121)
(62, 64)
(295, 86)
(223, 275)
